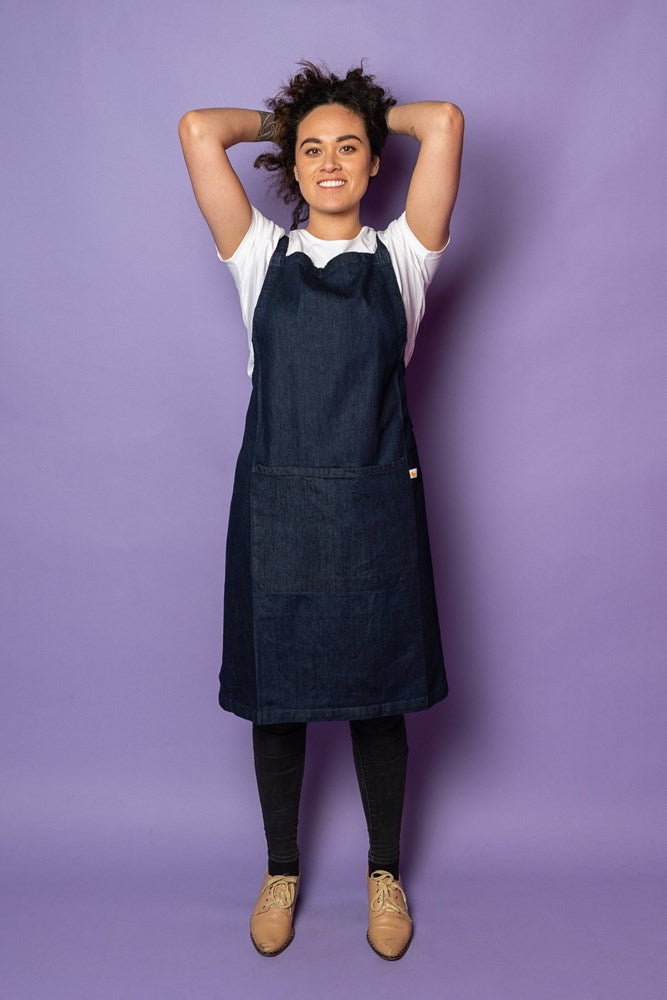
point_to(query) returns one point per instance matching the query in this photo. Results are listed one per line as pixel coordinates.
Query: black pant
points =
(380, 752)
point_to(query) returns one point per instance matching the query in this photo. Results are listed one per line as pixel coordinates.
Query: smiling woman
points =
(330, 609)
(366, 105)
(333, 167)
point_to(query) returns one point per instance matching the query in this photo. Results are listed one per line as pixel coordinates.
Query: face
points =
(333, 159)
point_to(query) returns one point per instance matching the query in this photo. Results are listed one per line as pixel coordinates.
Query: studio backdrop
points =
(536, 389)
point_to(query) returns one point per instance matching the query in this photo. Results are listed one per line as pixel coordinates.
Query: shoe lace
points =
(387, 886)
(280, 892)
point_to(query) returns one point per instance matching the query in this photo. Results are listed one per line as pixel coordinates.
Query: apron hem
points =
(277, 715)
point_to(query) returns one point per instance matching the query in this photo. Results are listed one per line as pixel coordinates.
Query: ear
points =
(375, 165)
(296, 174)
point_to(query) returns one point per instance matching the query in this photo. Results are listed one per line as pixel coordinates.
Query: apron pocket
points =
(332, 530)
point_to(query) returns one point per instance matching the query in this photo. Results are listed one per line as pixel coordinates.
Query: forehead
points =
(330, 120)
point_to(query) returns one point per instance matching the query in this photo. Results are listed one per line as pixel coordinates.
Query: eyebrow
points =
(339, 139)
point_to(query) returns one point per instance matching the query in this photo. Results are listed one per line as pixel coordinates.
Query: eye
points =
(352, 148)
(313, 149)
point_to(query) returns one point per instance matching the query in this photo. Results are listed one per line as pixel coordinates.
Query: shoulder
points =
(257, 246)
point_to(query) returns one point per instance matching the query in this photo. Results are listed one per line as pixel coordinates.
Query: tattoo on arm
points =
(266, 128)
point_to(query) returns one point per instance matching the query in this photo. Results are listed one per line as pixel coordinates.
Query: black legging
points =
(380, 752)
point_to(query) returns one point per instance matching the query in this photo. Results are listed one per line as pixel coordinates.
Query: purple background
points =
(534, 828)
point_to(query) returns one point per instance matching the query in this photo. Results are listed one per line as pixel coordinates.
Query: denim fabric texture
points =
(380, 753)
(329, 606)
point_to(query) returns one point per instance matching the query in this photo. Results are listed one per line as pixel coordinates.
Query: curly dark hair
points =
(298, 97)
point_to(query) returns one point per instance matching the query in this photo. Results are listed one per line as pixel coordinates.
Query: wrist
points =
(400, 120)
(266, 131)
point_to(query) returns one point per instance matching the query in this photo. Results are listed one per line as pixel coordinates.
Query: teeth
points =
(330, 183)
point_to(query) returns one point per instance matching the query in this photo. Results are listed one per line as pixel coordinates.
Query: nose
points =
(330, 162)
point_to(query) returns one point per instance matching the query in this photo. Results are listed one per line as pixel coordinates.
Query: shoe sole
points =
(390, 958)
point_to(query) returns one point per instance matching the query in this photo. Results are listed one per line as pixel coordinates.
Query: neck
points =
(341, 226)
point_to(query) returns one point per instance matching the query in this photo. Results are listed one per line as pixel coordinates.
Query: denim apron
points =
(329, 603)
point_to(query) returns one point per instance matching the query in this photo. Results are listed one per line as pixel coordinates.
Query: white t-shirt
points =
(414, 265)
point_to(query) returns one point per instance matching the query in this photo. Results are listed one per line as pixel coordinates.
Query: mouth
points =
(331, 184)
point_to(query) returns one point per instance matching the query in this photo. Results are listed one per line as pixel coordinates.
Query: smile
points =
(331, 183)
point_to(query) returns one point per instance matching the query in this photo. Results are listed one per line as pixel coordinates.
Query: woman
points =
(329, 605)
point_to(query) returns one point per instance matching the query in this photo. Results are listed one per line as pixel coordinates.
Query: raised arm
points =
(205, 135)
(438, 127)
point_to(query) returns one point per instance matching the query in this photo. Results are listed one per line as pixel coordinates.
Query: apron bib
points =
(329, 605)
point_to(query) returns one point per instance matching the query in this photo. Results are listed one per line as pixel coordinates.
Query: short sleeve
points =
(248, 266)
(415, 267)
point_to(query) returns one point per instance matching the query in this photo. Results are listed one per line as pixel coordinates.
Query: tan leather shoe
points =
(389, 922)
(271, 927)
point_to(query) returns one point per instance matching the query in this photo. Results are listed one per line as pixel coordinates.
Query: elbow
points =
(189, 124)
(452, 116)
(445, 119)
